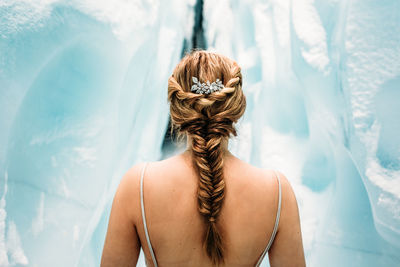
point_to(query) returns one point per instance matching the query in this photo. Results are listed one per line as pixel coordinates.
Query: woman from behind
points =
(204, 207)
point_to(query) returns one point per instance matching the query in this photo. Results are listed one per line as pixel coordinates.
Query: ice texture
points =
(83, 98)
(322, 80)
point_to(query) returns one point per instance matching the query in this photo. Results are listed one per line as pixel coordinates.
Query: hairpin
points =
(206, 88)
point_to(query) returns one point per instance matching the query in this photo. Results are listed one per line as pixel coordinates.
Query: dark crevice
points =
(198, 38)
(197, 41)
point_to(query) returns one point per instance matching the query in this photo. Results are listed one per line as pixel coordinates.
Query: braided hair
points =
(208, 120)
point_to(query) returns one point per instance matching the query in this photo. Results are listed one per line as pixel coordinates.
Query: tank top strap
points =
(278, 214)
(146, 232)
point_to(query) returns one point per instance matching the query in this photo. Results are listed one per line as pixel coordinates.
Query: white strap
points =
(153, 257)
(278, 213)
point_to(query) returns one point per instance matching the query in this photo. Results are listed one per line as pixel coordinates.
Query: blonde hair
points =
(208, 120)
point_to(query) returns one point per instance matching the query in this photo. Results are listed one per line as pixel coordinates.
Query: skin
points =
(176, 228)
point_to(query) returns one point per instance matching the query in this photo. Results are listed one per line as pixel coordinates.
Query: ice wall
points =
(322, 80)
(83, 97)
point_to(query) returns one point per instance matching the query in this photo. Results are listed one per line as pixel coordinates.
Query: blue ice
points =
(83, 98)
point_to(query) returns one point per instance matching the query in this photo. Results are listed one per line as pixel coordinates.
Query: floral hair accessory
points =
(206, 88)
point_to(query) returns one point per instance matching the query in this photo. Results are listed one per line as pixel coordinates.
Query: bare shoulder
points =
(127, 194)
(273, 176)
(250, 182)
(289, 201)
(173, 164)
(287, 249)
(155, 172)
(264, 181)
(286, 187)
(259, 176)
(289, 207)
(130, 180)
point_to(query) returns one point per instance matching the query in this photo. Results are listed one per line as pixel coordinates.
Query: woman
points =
(204, 207)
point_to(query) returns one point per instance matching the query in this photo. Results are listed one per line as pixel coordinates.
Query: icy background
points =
(83, 88)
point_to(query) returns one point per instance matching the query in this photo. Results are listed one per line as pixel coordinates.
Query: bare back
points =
(176, 228)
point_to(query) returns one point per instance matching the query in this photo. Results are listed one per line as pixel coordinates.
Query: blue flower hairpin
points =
(206, 88)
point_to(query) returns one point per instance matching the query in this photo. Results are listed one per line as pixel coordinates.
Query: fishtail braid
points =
(208, 120)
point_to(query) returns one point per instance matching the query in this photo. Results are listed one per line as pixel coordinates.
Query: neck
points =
(224, 145)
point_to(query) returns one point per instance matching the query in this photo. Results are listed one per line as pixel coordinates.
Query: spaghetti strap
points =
(271, 240)
(146, 232)
(278, 214)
